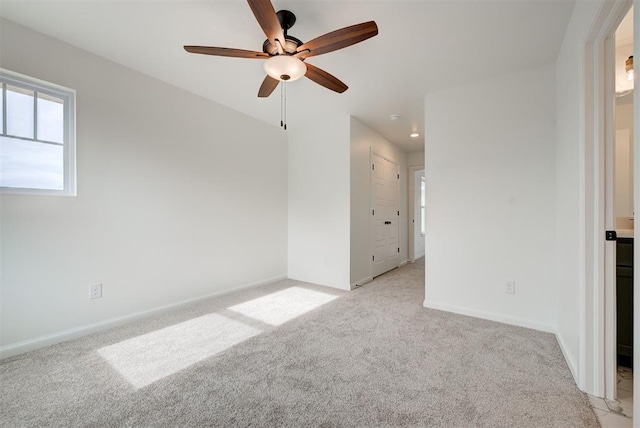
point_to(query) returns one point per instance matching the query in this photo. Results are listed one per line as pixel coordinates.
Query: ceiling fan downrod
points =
(287, 19)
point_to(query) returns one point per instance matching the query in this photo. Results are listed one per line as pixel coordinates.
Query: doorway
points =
(619, 217)
(598, 369)
(418, 214)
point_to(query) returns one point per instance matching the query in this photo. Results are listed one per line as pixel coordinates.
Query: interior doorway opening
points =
(605, 162)
(418, 214)
(619, 212)
(417, 218)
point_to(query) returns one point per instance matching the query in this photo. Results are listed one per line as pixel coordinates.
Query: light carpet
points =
(295, 354)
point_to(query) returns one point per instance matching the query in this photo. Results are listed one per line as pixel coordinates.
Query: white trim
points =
(73, 333)
(571, 362)
(636, 198)
(69, 144)
(608, 274)
(54, 88)
(592, 374)
(491, 316)
(361, 282)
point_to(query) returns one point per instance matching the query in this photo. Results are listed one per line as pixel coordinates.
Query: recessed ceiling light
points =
(415, 135)
(394, 116)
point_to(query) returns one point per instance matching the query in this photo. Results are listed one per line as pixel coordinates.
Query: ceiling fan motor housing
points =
(290, 46)
(287, 19)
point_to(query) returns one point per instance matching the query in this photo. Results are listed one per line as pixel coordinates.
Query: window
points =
(37, 136)
(422, 213)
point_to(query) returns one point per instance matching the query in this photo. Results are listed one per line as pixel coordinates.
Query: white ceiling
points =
(422, 46)
(624, 33)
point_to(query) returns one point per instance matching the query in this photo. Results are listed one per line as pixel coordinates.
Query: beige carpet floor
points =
(299, 355)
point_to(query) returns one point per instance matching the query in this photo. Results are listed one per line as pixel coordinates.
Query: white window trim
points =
(69, 146)
(423, 225)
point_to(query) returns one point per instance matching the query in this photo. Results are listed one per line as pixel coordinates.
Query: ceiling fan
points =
(285, 55)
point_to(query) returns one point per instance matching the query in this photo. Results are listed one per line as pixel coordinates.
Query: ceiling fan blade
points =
(236, 53)
(268, 20)
(325, 79)
(339, 39)
(267, 87)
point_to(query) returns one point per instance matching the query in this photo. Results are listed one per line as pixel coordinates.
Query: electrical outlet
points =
(95, 291)
(510, 287)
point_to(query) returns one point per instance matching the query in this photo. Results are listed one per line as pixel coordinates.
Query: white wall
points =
(623, 186)
(360, 202)
(364, 141)
(415, 159)
(490, 175)
(176, 197)
(570, 84)
(319, 198)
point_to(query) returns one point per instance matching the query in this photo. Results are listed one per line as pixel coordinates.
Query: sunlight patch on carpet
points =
(145, 359)
(282, 306)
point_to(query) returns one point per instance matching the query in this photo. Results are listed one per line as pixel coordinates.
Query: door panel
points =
(384, 224)
(393, 255)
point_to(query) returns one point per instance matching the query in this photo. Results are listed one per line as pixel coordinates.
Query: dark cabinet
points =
(624, 300)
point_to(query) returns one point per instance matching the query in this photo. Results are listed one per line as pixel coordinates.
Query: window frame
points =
(68, 95)
(423, 200)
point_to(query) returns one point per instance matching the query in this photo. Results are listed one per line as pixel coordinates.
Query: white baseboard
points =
(362, 281)
(73, 333)
(404, 263)
(520, 322)
(568, 356)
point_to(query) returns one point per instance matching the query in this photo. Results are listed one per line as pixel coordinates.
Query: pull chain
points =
(285, 105)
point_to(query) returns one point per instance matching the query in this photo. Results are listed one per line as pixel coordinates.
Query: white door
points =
(385, 251)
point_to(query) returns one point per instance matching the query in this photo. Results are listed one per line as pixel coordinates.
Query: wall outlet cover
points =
(95, 291)
(510, 287)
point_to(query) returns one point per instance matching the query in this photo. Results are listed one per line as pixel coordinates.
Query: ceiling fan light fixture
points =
(285, 68)
(629, 69)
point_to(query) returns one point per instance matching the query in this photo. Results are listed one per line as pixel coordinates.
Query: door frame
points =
(597, 335)
(411, 210)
